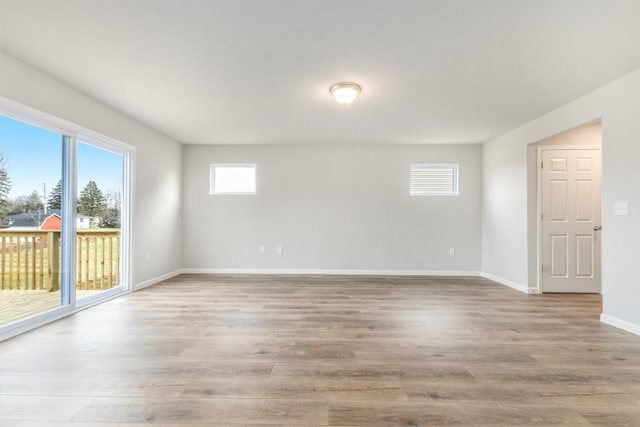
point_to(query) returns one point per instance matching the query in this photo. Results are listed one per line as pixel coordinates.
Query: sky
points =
(33, 156)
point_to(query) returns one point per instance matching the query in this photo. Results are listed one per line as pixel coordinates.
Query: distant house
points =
(52, 220)
(29, 220)
(52, 223)
(85, 221)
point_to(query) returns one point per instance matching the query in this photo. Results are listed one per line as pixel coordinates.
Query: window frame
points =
(455, 167)
(212, 168)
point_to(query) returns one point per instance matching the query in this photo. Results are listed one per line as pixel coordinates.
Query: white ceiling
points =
(258, 72)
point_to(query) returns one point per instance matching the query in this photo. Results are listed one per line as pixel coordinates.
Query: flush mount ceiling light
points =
(345, 93)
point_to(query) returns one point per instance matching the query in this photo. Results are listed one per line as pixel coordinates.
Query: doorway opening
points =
(564, 204)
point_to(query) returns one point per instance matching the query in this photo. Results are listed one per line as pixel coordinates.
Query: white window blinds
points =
(434, 179)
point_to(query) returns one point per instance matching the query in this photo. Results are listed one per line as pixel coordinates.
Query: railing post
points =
(54, 260)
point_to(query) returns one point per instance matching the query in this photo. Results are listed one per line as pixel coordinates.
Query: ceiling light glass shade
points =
(345, 93)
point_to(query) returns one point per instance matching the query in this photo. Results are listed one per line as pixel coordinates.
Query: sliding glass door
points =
(98, 220)
(30, 220)
(63, 221)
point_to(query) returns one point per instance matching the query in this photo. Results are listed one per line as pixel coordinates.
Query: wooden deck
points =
(325, 351)
(19, 304)
(30, 259)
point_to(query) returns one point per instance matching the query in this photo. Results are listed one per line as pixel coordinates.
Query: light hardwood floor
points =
(18, 304)
(315, 351)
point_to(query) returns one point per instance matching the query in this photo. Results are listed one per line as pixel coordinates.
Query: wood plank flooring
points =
(318, 351)
(19, 304)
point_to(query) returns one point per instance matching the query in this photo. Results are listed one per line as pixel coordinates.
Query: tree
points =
(111, 216)
(33, 202)
(92, 201)
(5, 188)
(30, 203)
(55, 197)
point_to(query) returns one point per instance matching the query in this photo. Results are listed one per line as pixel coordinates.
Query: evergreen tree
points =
(55, 197)
(92, 201)
(5, 187)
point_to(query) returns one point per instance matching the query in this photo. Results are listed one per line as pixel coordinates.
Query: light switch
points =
(621, 208)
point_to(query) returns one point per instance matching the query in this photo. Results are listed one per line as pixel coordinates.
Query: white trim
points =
(33, 116)
(509, 283)
(621, 324)
(157, 279)
(127, 217)
(68, 234)
(303, 271)
(97, 298)
(538, 282)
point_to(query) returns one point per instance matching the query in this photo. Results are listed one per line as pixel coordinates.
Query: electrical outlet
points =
(452, 251)
(146, 257)
(261, 249)
(279, 250)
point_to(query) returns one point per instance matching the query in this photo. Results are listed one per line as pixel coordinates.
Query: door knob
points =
(597, 227)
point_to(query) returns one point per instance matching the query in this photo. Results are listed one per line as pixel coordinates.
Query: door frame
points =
(539, 285)
(126, 284)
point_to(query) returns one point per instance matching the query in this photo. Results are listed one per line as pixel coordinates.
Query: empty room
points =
(319, 213)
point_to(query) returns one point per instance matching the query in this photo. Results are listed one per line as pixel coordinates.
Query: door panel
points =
(570, 205)
(31, 214)
(584, 255)
(584, 164)
(558, 200)
(98, 220)
(558, 164)
(559, 255)
(584, 200)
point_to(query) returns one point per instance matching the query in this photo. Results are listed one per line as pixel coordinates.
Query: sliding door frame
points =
(71, 134)
(125, 220)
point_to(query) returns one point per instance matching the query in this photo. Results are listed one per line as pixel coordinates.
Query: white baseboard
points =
(509, 283)
(296, 271)
(156, 279)
(619, 323)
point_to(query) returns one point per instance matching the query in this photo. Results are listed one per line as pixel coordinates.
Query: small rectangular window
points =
(434, 179)
(232, 179)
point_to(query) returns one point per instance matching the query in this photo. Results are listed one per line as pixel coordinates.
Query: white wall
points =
(157, 206)
(332, 208)
(504, 201)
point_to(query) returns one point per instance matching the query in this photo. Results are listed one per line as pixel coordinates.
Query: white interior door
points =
(570, 208)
